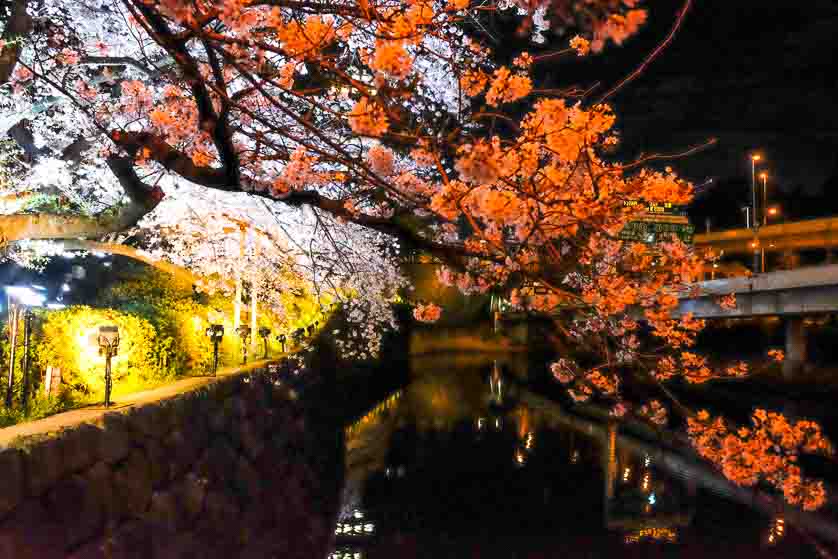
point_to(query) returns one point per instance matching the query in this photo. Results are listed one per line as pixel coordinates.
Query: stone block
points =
(116, 438)
(132, 484)
(12, 481)
(236, 407)
(44, 465)
(99, 485)
(248, 482)
(165, 512)
(220, 518)
(219, 421)
(251, 440)
(160, 463)
(191, 493)
(90, 550)
(150, 421)
(182, 452)
(76, 510)
(131, 540)
(81, 446)
(218, 462)
(29, 533)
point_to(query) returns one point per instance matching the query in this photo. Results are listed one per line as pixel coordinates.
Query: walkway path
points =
(90, 414)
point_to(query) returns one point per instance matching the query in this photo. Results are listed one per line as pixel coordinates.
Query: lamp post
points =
(244, 333)
(10, 383)
(20, 297)
(215, 332)
(282, 339)
(747, 211)
(764, 177)
(108, 346)
(27, 358)
(754, 158)
(264, 332)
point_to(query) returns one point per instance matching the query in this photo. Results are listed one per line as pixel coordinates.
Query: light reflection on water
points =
(465, 459)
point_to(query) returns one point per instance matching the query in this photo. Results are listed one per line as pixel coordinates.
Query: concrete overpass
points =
(791, 294)
(796, 235)
(766, 242)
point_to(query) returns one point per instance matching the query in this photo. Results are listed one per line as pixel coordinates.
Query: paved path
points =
(90, 414)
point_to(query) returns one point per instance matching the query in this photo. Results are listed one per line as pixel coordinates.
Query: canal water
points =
(468, 459)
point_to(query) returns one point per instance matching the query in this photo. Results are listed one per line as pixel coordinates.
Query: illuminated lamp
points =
(244, 334)
(264, 332)
(215, 332)
(108, 346)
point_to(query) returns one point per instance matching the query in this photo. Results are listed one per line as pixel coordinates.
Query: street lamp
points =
(747, 211)
(25, 297)
(264, 332)
(108, 346)
(764, 177)
(215, 332)
(754, 158)
(773, 211)
(282, 339)
(244, 333)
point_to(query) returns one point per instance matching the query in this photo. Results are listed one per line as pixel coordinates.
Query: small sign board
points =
(52, 381)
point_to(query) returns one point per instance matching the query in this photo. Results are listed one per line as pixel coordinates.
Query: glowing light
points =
(756, 157)
(520, 457)
(652, 499)
(626, 474)
(26, 295)
(647, 480)
(65, 287)
(777, 530)
(661, 534)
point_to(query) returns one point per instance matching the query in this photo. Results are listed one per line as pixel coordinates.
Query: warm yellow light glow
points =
(773, 211)
(647, 480)
(661, 534)
(626, 474)
(756, 157)
(763, 175)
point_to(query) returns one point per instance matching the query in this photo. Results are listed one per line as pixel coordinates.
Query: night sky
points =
(755, 75)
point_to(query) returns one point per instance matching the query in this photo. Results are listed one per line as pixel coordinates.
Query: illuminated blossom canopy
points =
(346, 133)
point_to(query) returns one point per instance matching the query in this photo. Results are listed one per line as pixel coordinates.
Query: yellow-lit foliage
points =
(69, 340)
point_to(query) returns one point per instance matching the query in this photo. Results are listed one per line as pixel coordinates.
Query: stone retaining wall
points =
(230, 470)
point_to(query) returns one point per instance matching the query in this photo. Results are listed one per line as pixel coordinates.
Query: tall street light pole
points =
(27, 357)
(764, 177)
(13, 320)
(754, 221)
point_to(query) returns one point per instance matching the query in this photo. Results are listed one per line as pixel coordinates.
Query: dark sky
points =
(755, 75)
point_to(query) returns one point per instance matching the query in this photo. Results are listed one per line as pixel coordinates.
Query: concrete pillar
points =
(795, 347)
(791, 260)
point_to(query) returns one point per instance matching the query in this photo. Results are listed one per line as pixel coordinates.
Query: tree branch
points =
(17, 27)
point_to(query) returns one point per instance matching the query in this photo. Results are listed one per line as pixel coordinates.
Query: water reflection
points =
(466, 461)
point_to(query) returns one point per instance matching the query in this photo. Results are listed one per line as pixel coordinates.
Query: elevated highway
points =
(793, 236)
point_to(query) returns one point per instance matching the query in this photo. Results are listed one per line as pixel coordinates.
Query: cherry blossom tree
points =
(345, 133)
